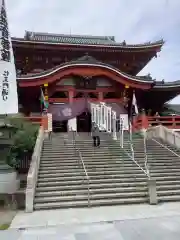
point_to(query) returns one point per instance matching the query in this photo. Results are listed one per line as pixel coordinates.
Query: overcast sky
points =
(135, 21)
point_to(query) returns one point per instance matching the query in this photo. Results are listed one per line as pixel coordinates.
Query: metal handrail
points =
(131, 141)
(145, 157)
(132, 156)
(84, 167)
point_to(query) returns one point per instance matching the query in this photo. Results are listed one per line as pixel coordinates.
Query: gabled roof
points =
(108, 41)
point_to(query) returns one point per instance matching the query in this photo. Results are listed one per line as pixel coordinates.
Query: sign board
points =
(49, 115)
(124, 121)
(72, 124)
(8, 84)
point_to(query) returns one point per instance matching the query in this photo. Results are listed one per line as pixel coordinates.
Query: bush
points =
(24, 139)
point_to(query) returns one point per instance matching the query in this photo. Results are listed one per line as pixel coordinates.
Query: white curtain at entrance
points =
(106, 118)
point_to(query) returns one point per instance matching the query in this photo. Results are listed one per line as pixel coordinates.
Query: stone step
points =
(86, 159)
(169, 192)
(91, 191)
(64, 162)
(85, 149)
(96, 188)
(92, 185)
(109, 160)
(76, 169)
(92, 197)
(97, 185)
(100, 179)
(162, 190)
(89, 154)
(75, 181)
(100, 173)
(84, 144)
(169, 198)
(92, 169)
(93, 203)
(97, 163)
(108, 164)
(108, 168)
(124, 163)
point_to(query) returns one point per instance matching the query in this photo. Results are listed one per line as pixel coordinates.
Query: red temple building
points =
(72, 67)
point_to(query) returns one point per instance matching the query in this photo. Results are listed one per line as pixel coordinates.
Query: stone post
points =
(152, 191)
(72, 123)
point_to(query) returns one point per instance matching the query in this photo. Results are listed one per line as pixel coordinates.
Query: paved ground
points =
(6, 216)
(166, 228)
(105, 223)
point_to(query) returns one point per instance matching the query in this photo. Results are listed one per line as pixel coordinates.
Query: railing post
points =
(114, 125)
(121, 133)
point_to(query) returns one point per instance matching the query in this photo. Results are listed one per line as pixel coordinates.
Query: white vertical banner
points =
(8, 84)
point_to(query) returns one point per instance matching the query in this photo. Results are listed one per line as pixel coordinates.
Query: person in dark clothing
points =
(95, 135)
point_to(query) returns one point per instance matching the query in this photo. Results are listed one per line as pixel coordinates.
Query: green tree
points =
(24, 139)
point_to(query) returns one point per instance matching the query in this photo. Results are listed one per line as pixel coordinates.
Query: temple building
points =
(72, 68)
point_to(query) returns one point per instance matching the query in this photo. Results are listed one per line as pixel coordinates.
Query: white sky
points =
(135, 21)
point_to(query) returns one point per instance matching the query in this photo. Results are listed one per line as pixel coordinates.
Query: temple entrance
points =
(84, 122)
(60, 126)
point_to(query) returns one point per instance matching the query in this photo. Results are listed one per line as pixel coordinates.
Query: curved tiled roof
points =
(85, 61)
(109, 41)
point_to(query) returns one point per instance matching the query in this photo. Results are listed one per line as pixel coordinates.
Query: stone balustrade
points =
(165, 134)
(33, 171)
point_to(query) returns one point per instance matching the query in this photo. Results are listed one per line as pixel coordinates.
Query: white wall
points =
(103, 82)
(66, 82)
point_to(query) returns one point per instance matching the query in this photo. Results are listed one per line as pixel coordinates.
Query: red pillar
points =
(100, 97)
(71, 96)
(144, 119)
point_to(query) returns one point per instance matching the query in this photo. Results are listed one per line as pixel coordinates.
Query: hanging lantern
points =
(126, 86)
(46, 98)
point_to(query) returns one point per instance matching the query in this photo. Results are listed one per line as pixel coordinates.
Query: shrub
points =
(24, 139)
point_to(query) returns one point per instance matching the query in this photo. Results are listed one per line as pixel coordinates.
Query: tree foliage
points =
(24, 139)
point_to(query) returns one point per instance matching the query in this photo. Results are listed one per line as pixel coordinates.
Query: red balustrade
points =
(167, 121)
(143, 122)
(41, 120)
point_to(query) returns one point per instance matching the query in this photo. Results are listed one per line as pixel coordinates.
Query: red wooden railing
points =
(41, 120)
(143, 122)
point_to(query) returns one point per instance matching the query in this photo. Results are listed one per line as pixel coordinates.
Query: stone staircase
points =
(113, 177)
(163, 164)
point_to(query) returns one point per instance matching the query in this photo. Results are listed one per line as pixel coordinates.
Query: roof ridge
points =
(110, 38)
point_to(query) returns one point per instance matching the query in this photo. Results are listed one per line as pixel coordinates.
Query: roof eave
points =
(83, 64)
(138, 46)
